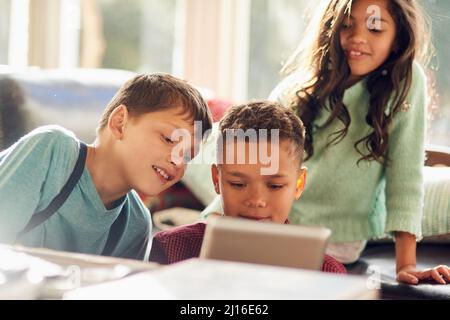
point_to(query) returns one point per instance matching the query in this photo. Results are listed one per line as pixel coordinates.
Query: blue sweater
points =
(32, 173)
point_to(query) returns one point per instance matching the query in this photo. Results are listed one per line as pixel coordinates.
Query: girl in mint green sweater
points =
(362, 97)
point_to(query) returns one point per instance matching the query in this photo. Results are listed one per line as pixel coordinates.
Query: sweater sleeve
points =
(404, 180)
(23, 171)
(157, 253)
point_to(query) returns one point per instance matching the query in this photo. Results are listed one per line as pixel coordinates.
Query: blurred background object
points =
(74, 99)
(36, 273)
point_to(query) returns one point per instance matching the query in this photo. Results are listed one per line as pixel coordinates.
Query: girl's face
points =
(367, 36)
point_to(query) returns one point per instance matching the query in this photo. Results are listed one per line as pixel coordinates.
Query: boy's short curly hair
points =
(266, 115)
(158, 91)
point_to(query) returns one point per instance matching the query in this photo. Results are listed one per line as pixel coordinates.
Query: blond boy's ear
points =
(117, 121)
(301, 182)
(215, 177)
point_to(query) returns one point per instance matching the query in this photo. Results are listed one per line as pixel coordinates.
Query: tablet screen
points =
(242, 240)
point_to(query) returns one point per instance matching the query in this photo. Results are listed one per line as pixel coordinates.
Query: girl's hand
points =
(411, 275)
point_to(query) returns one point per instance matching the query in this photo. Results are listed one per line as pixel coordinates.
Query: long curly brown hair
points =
(320, 55)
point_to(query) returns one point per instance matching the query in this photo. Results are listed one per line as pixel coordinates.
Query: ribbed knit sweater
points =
(370, 200)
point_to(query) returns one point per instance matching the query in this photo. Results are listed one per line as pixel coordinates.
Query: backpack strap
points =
(116, 232)
(139, 249)
(41, 216)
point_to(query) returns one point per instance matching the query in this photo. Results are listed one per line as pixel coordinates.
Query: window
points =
(136, 35)
(5, 10)
(275, 31)
(439, 12)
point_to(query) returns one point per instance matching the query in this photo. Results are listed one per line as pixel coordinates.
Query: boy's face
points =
(149, 161)
(247, 194)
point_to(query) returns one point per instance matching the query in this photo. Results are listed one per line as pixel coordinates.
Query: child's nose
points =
(256, 200)
(176, 160)
(255, 203)
(358, 35)
(178, 164)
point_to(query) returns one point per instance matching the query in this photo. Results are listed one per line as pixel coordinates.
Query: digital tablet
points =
(242, 240)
